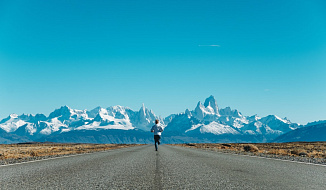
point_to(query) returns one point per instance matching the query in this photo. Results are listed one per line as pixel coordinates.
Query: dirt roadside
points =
(313, 152)
(13, 153)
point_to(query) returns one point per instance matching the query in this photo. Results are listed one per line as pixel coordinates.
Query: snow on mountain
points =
(29, 122)
(66, 119)
(169, 118)
(66, 114)
(11, 123)
(212, 120)
(144, 118)
(237, 122)
(93, 113)
(274, 118)
(215, 128)
(207, 111)
(253, 118)
(229, 112)
(259, 128)
(53, 125)
(207, 121)
(211, 103)
(114, 117)
(207, 118)
(277, 123)
(119, 117)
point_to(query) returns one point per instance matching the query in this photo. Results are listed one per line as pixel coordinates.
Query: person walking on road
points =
(157, 129)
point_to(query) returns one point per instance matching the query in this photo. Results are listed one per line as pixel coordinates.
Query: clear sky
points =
(260, 57)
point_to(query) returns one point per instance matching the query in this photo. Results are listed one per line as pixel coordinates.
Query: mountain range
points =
(118, 124)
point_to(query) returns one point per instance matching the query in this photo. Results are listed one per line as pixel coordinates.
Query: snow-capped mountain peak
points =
(253, 118)
(210, 102)
(144, 118)
(272, 118)
(13, 115)
(188, 113)
(92, 113)
(206, 121)
(103, 113)
(229, 112)
(11, 123)
(208, 111)
(142, 110)
(66, 114)
(63, 111)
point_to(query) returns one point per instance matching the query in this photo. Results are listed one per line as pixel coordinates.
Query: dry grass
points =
(19, 151)
(307, 149)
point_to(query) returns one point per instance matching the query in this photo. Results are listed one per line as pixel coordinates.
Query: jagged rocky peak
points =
(66, 113)
(13, 115)
(144, 118)
(118, 112)
(206, 118)
(10, 117)
(31, 117)
(188, 113)
(229, 112)
(103, 111)
(93, 113)
(117, 108)
(199, 112)
(211, 102)
(272, 118)
(40, 117)
(26, 117)
(142, 110)
(103, 114)
(253, 118)
(208, 110)
(62, 111)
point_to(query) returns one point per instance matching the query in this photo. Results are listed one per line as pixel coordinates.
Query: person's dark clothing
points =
(157, 140)
(157, 129)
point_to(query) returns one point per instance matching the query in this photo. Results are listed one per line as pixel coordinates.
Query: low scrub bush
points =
(250, 148)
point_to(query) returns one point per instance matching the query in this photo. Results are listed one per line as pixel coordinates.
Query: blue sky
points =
(269, 56)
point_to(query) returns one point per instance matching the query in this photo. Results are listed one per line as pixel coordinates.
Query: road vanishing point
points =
(171, 167)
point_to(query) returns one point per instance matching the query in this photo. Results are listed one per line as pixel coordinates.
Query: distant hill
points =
(309, 133)
(8, 138)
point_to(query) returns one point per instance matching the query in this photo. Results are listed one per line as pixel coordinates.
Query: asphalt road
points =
(169, 168)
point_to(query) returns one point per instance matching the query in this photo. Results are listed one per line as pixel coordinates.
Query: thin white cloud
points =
(210, 45)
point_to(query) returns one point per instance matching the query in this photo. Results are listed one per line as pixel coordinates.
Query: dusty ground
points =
(21, 151)
(295, 149)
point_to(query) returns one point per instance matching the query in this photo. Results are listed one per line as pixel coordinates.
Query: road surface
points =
(169, 168)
